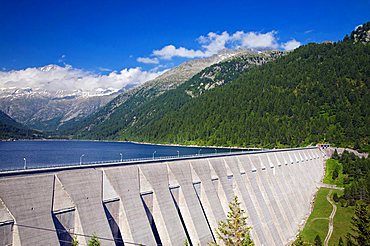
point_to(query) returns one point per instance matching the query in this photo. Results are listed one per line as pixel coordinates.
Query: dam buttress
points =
(161, 202)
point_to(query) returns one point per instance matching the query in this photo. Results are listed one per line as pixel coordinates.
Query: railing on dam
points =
(131, 161)
(165, 200)
(127, 161)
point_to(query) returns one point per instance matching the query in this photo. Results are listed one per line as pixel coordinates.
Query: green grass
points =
(317, 223)
(342, 222)
(330, 166)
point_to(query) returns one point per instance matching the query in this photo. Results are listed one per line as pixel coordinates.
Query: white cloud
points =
(148, 60)
(258, 41)
(291, 45)
(250, 40)
(170, 51)
(53, 78)
(212, 43)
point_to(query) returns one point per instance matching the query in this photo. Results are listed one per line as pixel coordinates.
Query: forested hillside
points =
(149, 105)
(10, 129)
(319, 92)
(109, 120)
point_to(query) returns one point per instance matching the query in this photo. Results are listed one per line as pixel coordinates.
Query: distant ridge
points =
(360, 35)
(10, 129)
(50, 110)
(170, 91)
(318, 92)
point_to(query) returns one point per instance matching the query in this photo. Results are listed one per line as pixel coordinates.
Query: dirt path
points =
(329, 186)
(331, 218)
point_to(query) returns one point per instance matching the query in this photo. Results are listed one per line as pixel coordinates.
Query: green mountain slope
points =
(149, 104)
(106, 123)
(10, 129)
(319, 92)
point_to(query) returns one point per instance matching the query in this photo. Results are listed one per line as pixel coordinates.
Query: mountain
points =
(318, 92)
(49, 110)
(52, 96)
(360, 34)
(175, 76)
(10, 129)
(226, 71)
(170, 91)
(129, 100)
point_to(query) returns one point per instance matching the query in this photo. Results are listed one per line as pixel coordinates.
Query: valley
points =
(184, 123)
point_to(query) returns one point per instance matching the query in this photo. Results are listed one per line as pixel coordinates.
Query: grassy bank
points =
(331, 165)
(342, 221)
(317, 223)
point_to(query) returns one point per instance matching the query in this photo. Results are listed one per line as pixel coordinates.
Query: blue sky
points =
(112, 35)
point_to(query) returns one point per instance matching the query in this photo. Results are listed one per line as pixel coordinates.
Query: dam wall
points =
(161, 202)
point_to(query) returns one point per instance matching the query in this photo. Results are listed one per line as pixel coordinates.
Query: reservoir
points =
(47, 153)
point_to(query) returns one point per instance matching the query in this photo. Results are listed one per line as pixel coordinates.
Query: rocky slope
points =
(228, 70)
(361, 34)
(49, 110)
(10, 129)
(317, 93)
(171, 90)
(151, 89)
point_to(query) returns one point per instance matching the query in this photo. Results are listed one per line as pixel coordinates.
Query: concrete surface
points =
(166, 201)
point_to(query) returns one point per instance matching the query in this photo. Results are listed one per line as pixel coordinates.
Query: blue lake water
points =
(46, 153)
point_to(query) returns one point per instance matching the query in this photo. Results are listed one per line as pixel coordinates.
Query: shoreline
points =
(194, 146)
(134, 142)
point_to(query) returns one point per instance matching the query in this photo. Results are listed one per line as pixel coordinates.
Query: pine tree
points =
(357, 145)
(335, 197)
(335, 173)
(318, 241)
(361, 225)
(349, 240)
(367, 183)
(74, 241)
(340, 242)
(335, 155)
(94, 241)
(234, 231)
(298, 241)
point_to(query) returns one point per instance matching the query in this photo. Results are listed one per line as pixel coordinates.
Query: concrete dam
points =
(161, 202)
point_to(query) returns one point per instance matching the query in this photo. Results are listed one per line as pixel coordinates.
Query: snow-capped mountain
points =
(53, 97)
(48, 110)
(48, 97)
(14, 92)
